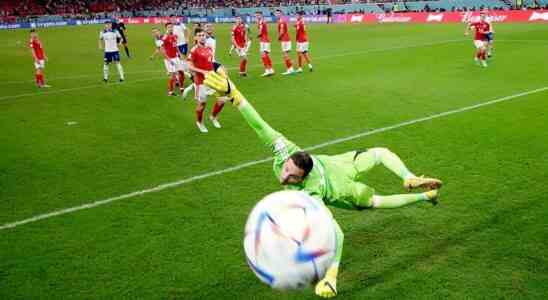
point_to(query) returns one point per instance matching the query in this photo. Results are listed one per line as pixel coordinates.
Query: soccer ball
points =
(289, 240)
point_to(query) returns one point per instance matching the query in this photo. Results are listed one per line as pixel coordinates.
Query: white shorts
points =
(40, 64)
(201, 92)
(479, 44)
(242, 52)
(302, 47)
(286, 46)
(265, 47)
(173, 65)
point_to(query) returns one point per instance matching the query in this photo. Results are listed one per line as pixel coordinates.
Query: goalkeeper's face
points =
(291, 173)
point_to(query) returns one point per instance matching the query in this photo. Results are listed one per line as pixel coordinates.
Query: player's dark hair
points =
(32, 30)
(300, 12)
(168, 23)
(303, 160)
(279, 10)
(198, 30)
(259, 12)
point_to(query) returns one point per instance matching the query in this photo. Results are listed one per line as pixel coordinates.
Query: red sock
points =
(300, 60)
(41, 79)
(288, 63)
(268, 61)
(181, 79)
(265, 61)
(171, 83)
(217, 108)
(199, 114)
(243, 65)
(483, 55)
(37, 76)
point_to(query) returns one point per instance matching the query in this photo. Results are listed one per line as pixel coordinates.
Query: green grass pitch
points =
(486, 240)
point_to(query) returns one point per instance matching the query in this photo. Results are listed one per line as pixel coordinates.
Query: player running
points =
(172, 62)
(283, 37)
(109, 40)
(264, 41)
(239, 41)
(481, 28)
(201, 62)
(121, 27)
(39, 56)
(302, 43)
(338, 180)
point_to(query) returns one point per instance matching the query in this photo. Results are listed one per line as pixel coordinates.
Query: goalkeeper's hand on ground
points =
(327, 287)
(224, 86)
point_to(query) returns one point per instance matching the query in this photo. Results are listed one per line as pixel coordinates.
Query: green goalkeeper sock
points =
(395, 201)
(375, 156)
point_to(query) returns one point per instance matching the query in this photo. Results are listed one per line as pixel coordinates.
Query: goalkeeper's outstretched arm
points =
(220, 83)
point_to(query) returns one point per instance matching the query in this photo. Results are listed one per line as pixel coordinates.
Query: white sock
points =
(310, 66)
(105, 72)
(120, 70)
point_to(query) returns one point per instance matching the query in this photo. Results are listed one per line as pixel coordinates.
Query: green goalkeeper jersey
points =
(333, 179)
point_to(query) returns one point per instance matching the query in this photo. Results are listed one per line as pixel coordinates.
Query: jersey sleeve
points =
(118, 35)
(280, 146)
(101, 35)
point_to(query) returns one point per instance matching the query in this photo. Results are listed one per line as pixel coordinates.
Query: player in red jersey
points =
(283, 37)
(172, 62)
(264, 41)
(481, 28)
(239, 42)
(302, 43)
(200, 61)
(40, 58)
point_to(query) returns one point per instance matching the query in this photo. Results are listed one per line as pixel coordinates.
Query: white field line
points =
(230, 68)
(256, 162)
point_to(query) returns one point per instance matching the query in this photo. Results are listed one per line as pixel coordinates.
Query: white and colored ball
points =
(290, 240)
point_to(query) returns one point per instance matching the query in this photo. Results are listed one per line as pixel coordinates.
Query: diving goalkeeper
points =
(337, 180)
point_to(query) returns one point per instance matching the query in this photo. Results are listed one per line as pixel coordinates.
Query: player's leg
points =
(119, 66)
(327, 287)
(217, 108)
(286, 47)
(243, 63)
(181, 79)
(39, 73)
(303, 48)
(107, 61)
(396, 201)
(201, 99)
(365, 161)
(124, 43)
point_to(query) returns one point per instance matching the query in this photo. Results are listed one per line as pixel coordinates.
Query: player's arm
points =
(101, 42)
(119, 38)
(327, 287)
(279, 146)
(467, 28)
(157, 51)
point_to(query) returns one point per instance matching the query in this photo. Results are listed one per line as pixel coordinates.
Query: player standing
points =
(39, 56)
(239, 41)
(336, 180)
(171, 60)
(302, 43)
(121, 27)
(490, 35)
(481, 29)
(109, 40)
(264, 42)
(157, 38)
(200, 62)
(182, 33)
(283, 37)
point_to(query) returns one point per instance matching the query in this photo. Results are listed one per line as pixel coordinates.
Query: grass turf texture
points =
(486, 239)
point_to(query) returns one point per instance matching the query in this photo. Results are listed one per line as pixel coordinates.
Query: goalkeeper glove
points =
(224, 86)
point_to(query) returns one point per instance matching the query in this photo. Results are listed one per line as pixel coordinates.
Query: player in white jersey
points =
(109, 40)
(157, 38)
(490, 34)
